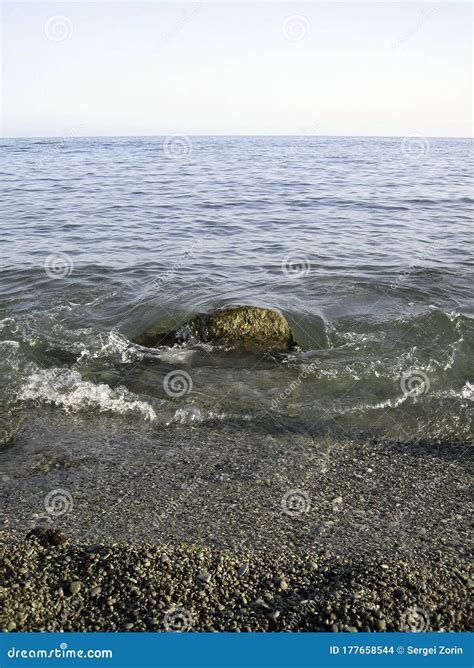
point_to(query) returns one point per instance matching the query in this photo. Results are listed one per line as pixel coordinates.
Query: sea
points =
(363, 243)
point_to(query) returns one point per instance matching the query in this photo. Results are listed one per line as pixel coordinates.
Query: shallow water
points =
(362, 244)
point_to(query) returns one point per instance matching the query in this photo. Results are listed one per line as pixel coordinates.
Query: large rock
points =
(250, 327)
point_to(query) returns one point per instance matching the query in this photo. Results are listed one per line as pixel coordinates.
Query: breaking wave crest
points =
(65, 388)
(405, 377)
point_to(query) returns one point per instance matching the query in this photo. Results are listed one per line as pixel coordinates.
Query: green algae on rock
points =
(251, 327)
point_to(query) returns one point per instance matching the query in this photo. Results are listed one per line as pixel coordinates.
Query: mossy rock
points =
(249, 327)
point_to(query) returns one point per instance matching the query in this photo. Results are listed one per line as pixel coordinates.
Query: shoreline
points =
(102, 481)
(242, 531)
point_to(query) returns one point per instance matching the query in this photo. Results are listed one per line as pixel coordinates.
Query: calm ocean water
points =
(363, 243)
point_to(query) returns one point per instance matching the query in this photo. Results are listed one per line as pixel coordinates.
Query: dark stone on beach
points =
(47, 535)
(250, 327)
(311, 565)
(243, 569)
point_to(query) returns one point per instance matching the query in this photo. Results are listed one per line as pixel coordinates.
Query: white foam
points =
(110, 345)
(66, 388)
(193, 414)
(467, 391)
(11, 344)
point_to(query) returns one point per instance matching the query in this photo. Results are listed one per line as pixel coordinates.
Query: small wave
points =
(112, 347)
(66, 388)
(193, 414)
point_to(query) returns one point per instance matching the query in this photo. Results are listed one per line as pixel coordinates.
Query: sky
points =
(250, 68)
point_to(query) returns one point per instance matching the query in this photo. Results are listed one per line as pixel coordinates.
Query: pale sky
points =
(265, 68)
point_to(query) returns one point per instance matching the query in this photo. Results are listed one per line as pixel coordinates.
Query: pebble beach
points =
(352, 544)
(187, 588)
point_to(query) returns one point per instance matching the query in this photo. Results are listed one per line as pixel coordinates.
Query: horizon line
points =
(198, 136)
